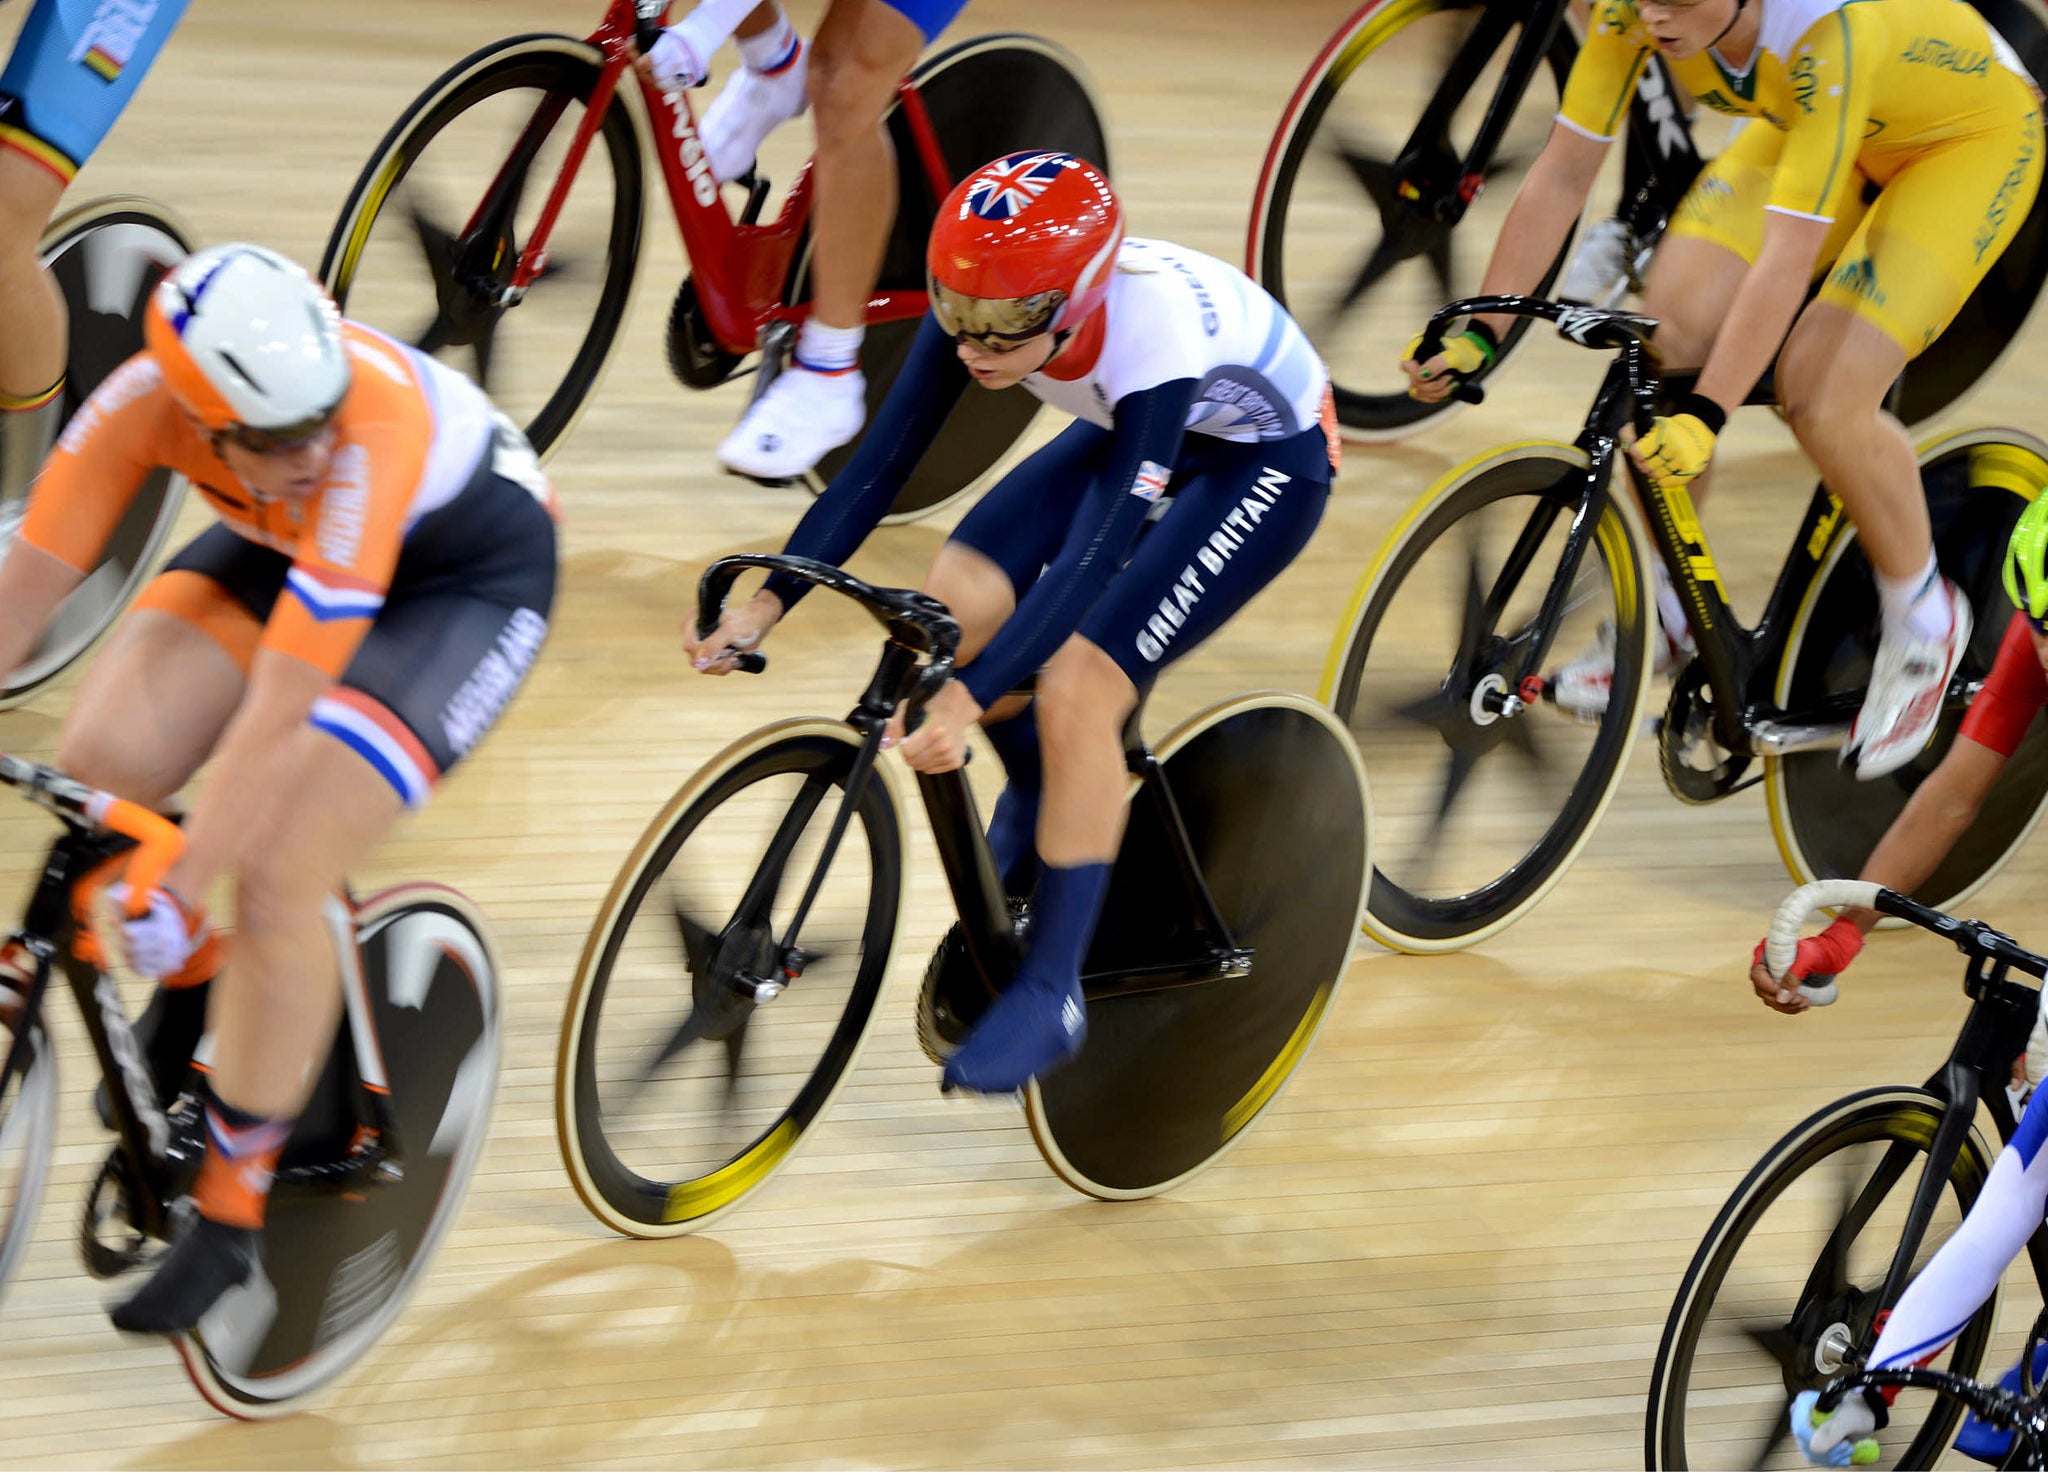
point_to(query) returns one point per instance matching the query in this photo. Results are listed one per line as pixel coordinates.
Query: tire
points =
(1891, 1129)
(457, 313)
(132, 244)
(28, 1136)
(1298, 240)
(340, 1264)
(1273, 798)
(1047, 102)
(633, 991)
(1825, 820)
(1433, 890)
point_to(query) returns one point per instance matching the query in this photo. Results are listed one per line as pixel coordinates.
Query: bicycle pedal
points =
(775, 483)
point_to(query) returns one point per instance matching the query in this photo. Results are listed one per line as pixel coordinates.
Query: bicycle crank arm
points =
(1218, 967)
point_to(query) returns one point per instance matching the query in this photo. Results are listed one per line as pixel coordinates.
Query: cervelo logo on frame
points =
(696, 168)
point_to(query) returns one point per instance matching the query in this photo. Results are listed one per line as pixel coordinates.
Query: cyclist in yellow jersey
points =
(1897, 150)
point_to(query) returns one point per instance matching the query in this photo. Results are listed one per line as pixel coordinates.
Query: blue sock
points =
(1040, 1021)
(1013, 826)
(1063, 919)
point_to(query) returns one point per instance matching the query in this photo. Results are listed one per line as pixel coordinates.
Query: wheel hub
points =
(1831, 1350)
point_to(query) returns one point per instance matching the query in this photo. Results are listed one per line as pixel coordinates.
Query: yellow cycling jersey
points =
(1854, 85)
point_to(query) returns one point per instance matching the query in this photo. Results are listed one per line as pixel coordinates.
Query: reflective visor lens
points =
(995, 323)
(280, 440)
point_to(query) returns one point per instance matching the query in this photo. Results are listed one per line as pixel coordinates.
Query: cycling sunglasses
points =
(280, 440)
(997, 324)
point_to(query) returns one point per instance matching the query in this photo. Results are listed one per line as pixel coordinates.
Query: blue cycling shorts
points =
(929, 16)
(75, 65)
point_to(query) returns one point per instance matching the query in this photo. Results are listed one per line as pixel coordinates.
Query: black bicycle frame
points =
(1735, 659)
(919, 625)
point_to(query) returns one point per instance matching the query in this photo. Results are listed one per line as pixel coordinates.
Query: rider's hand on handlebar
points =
(1841, 1438)
(671, 66)
(1467, 354)
(1678, 447)
(940, 743)
(165, 936)
(742, 627)
(1822, 956)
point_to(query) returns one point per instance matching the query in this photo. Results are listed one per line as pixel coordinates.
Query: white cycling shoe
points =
(1907, 683)
(749, 108)
(1581, 687)
(803, 416)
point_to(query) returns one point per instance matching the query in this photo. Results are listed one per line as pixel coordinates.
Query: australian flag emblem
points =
(1008, 185)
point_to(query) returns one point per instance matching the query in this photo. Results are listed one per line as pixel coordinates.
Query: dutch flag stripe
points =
(329, 596)
(382, 741)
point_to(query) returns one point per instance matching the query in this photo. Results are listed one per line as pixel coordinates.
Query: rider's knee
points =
(1081, 691)
(853, 76)
(275, 891)
(28, 194)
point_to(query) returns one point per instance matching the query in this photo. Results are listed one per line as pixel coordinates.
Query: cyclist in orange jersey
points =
(373, 594)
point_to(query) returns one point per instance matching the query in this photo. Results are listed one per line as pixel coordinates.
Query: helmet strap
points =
(1740, 6)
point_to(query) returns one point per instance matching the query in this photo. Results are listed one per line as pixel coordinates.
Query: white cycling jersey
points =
(1172, 313)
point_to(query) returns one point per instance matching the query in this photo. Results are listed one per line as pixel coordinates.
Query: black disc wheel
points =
(683, 1083)
(107, 257)
(1827, 821)
(340, 1259)
(987, 97)
(1483, 793)
(1271, 794)
(430, 236)
(1360, 225)
(28, 1133)
(1784, 1290)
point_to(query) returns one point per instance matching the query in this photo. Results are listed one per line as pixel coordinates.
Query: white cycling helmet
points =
(248, 344)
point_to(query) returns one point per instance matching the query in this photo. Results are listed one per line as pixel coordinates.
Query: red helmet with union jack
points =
(1023, 246)
(249, 345)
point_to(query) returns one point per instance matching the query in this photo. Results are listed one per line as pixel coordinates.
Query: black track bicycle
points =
(1821, 1238)
(375, 1169)
(732, 974)
(1362, 228)
(107, 256)
(1484, 791)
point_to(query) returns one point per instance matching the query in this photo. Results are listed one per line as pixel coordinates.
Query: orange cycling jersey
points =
(410, 436)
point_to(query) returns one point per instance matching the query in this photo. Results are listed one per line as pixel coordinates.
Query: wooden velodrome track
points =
(1453, 1241)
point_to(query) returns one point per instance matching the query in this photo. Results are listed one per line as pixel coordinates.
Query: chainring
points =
(1696, 768)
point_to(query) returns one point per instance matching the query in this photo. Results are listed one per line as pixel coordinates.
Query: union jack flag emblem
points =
(1005, 187)
(1152, 479)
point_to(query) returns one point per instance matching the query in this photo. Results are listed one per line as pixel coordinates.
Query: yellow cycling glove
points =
(1678, 446)
(1471, 352)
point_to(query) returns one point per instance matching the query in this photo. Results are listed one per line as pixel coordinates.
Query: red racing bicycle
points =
(515, 182)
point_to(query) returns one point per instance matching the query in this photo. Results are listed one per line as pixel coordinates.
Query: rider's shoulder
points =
(138, 379)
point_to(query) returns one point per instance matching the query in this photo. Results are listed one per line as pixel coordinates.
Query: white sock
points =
(825, 350)
(706, 28)
(1917, 604)
(1670, 613)
(773, 48)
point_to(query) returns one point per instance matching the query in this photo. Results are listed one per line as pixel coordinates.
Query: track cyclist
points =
(1897, 150)
(74, 67)
(864, 48)
(1197, 466)
(377, 585)
(1965, 1270)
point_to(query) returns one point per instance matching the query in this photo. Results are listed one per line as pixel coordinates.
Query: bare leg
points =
(1084, 698)
(150, 709)
(32, 348)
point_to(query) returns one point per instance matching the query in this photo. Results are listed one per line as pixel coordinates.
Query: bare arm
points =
(1769, 298)
(247, 782)
(1546, 208)
(1940, 810)
(32, 584)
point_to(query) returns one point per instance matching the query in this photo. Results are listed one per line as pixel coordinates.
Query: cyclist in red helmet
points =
(1197, 465)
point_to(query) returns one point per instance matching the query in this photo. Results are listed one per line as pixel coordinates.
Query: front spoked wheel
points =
(1784, 1291)
(107, 257)
(1358, 226)
(431, 233)
(1482, 793)
(682, 1084)
(28, 1133)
